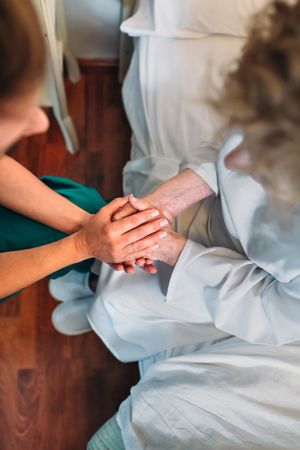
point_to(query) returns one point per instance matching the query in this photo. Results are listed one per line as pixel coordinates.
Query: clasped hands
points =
(131, 231)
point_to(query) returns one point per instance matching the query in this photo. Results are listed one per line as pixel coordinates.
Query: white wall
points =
(93, 27)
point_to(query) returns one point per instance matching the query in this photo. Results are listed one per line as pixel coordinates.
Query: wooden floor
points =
(55, 391)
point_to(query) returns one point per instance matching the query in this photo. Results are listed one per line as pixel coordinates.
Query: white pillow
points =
(192, 18)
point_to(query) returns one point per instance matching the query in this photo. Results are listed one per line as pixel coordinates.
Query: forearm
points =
(180, 192)
(24, 193)
(100, 238)
(21, 268)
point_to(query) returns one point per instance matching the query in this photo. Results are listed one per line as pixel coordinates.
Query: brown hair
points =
(261, 96)
(22, 55)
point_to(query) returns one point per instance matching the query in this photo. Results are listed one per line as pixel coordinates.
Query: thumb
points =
(138, 203)
(112, 207)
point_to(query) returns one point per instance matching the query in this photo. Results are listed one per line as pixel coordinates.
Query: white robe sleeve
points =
(243, 299)
(204, 162)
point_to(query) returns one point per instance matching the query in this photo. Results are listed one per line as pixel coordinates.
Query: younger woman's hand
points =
(132, 207)
(128, 239)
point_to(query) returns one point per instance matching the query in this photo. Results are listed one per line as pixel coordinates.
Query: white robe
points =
(205, 384)
(238, 275)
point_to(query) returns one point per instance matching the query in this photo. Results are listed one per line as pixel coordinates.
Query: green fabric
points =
(108, 437)
(17, 232)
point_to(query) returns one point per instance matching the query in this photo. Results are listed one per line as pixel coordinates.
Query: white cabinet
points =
(52, 17)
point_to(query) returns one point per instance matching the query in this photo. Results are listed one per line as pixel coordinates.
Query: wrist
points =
(78, 222)
(80, 246)
(181, 241)
(180, 192)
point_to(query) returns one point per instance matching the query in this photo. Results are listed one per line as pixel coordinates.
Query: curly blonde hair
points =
(261, 96)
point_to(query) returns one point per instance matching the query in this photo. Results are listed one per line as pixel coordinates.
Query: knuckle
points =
(114, 255)
(134, 220)
(109, 234)
(116, 246)
(119, 214)
(155, 226)
(143, 216)
(137, 247)
(106, 230)
(139, 234)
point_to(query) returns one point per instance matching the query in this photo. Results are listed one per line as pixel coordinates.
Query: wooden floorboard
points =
(55, 391)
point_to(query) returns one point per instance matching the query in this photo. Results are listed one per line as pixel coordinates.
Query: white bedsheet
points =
(165, 96)
(226, 396)
(190, 19)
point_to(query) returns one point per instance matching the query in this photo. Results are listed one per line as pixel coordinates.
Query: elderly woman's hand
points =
(140, 204)
(170, 249)
(129, 238)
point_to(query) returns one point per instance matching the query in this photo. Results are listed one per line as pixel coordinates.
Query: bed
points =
(182, 50)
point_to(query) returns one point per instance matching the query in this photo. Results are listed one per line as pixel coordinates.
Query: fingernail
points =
(163, 223)
(155, 213)
(162, 235)
(155, 246)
